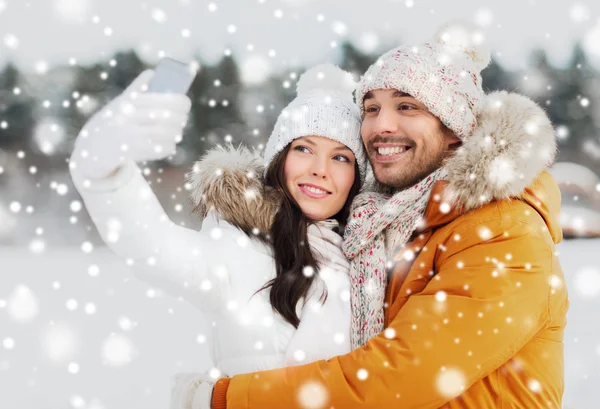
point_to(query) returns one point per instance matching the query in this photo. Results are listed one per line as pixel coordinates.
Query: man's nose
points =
(387, 122)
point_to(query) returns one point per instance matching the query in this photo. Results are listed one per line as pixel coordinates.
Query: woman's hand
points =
(136, 126)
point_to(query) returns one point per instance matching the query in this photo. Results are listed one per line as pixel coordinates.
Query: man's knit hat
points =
(323, 107)
(444, 74)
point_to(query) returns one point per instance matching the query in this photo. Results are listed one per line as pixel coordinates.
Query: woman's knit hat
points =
(324, 106)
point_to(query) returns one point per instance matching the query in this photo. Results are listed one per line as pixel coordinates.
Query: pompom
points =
(463, 37)
(326, 77)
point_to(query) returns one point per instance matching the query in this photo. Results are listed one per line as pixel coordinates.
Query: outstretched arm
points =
(139, 126)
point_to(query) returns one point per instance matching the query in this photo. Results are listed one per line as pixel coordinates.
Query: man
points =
(472, 311)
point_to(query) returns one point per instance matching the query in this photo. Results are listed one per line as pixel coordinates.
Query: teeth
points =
(390, 151)
(315, 190)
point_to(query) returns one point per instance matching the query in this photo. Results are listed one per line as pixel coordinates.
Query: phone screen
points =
(171, 76)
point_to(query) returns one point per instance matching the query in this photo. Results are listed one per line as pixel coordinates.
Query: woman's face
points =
(319, 173)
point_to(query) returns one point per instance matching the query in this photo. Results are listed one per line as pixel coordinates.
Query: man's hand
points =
(193, 390)
(136, 126)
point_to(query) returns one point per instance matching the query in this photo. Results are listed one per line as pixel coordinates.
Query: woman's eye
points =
(405, 107)
(341, 158)
(301, 148)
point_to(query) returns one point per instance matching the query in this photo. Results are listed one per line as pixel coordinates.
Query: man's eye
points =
(372, 109)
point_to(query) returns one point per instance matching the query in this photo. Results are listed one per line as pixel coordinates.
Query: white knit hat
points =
(444, 74)
(323, 107)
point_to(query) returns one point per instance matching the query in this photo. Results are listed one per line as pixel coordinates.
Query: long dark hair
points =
(289, 240)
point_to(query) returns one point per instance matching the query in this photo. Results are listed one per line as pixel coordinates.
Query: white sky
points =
(56, 30)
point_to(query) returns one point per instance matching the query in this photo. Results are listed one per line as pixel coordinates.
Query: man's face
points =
(405, 141)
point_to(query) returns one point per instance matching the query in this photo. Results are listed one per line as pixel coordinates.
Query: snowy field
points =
(77, 330)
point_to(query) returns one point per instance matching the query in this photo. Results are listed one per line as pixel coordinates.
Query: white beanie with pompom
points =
(444, 74)
(324, 106)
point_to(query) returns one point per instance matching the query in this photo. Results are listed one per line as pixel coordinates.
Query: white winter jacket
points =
(220, 268)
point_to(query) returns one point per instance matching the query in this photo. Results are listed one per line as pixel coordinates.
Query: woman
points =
(274, 300)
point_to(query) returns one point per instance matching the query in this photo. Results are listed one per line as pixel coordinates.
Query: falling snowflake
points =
(308, 271)
(534, 386)
(117, 350)
(312, 395)
(60, 343)
(339, 28)
(73, 11)
(450, 383)
(579, 13)
(484, 17)
(22, 305)
(368, 42)
(73, 368)
(49, 136)
(159, 15)
(8, 343)
(587, 282)
(77, 402)
(255, 70)
(11, 41)
(125, 323)
(90, 309)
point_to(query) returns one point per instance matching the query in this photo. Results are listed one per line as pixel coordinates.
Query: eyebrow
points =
(396, 94)
(342, 147)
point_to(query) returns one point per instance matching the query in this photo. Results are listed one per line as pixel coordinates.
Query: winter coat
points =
(476, 302)
(220, 268)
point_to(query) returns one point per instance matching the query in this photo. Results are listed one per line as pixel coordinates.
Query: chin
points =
(387, 176)
(316, 216)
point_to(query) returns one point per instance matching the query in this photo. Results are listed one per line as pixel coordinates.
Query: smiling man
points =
(406, 142)
(458, 299)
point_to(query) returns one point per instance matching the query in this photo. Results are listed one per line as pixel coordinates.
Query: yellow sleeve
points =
(487, 300)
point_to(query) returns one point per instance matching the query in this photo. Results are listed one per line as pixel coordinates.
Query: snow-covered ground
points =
(77, 330)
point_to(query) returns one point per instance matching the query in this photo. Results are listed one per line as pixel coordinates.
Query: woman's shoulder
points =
(226, 234)
(230, 181)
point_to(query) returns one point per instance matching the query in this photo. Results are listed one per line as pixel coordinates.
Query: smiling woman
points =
(320, 174)
(315, 157)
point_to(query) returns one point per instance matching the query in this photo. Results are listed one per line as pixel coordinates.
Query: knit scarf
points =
(379, 225)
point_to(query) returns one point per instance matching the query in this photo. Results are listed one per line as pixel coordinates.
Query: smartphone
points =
(171, 76)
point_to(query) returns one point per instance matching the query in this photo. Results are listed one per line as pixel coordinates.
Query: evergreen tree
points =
(17, 111)
(495, 77)
(354, 61)
(216, 111)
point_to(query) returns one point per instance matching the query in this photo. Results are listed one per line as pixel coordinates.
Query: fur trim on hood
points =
(230, 181)
(513, 143)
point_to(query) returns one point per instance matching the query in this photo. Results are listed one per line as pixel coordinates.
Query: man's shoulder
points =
(500, 212)
(503, 219)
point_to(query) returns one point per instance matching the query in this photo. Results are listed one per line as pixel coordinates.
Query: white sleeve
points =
(134, 225)
(324, 329)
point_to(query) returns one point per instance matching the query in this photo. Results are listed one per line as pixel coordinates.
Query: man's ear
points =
(452, 141)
